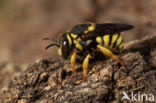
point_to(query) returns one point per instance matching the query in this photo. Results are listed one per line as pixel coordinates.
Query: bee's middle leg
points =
(85, 66)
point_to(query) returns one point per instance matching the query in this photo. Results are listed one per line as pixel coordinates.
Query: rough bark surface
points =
(52, 81)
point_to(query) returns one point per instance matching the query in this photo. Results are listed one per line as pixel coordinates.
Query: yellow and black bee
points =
(90, 37)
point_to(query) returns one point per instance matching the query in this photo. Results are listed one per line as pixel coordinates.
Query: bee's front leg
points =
(72, 60)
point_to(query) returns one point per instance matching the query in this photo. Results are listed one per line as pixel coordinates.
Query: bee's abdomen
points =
(113, 42)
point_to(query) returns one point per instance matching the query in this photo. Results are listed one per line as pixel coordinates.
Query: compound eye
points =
(65, 51)
(64, 43)
(65, 46)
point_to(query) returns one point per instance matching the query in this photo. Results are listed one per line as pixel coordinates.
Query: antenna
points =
(52, 44)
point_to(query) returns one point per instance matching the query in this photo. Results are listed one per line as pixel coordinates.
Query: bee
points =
(84, 39)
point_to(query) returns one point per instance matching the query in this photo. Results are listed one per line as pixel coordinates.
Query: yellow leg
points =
(107, 52)
(85, 66)
(72, 60)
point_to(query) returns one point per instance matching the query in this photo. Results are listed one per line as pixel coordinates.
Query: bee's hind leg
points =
(107, 52)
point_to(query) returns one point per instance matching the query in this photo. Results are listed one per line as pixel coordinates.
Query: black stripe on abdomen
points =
(115, 43)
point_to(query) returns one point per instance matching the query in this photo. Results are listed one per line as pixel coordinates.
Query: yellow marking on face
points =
(74, 35)
(60, 52)
(114, 37)
(119, 41)
(106, 40)
(98, 40)
(69, 39)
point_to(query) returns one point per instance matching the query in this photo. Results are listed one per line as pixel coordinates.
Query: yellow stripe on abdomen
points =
(119, 41)
(106, 40)
(121, 46)
(114, 37)
(113, 42)
(99, 40)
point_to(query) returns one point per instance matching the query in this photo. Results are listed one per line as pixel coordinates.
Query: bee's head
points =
(64, 45)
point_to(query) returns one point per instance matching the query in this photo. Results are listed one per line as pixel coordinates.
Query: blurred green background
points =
(23, 23)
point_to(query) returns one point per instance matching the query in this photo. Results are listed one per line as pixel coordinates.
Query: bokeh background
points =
(23, 24)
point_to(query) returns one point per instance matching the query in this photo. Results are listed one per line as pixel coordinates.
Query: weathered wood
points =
(52, 81)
